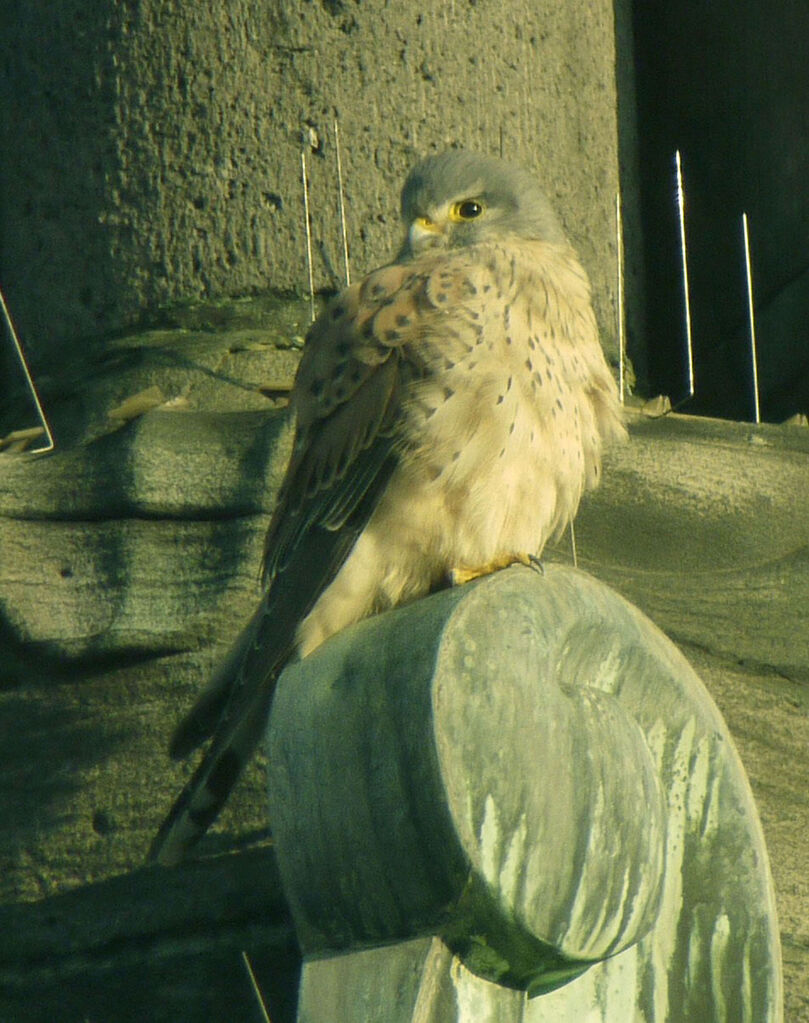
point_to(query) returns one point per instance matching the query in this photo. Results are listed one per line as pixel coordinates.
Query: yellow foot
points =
(458, 576)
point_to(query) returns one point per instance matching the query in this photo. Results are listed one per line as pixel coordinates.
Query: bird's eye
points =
(468, 209)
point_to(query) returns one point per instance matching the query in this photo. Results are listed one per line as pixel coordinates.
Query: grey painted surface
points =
(526, 765)
(415, 980)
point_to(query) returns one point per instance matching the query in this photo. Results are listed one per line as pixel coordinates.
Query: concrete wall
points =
(151, 148)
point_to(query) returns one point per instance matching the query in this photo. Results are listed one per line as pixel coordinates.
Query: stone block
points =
(529, 770)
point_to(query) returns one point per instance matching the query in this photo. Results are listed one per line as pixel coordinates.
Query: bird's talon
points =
(459, 575)
(536, 563)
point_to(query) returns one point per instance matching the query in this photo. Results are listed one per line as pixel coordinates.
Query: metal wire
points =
(29, 379)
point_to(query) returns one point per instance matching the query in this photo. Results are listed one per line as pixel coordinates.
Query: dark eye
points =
(468, 209)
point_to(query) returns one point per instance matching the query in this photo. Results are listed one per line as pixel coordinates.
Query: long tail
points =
(234, 707)
(202, 799)
(202, 720)
(233, 710)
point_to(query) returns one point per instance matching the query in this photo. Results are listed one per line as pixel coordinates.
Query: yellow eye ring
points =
(466, 209)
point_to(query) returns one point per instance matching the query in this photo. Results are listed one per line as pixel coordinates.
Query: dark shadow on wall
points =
(48, 746)
(727, 86)
(154, 945)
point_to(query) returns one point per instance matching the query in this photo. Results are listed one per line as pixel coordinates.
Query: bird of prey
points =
(451, 408)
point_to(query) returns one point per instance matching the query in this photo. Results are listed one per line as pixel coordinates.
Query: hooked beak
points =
(425, 234)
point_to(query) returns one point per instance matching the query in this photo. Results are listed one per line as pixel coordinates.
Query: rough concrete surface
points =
(152, 150)
(128, 561)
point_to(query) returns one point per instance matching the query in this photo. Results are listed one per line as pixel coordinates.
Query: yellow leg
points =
(460, 575)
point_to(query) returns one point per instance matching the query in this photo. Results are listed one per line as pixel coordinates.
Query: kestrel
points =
(450, 411)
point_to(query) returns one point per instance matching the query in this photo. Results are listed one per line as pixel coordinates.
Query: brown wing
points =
(346, 399)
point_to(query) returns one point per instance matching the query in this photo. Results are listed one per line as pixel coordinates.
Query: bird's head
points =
(459, 198)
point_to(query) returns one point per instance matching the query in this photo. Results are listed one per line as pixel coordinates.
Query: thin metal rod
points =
(573, 545)
(686, 289)
(751, 313)
(308, 235)
(256, 989)
(619, 243)
(340, 193)
(30, 380)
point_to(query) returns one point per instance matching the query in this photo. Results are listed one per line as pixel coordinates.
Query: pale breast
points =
(510, 425)
(503, 423)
